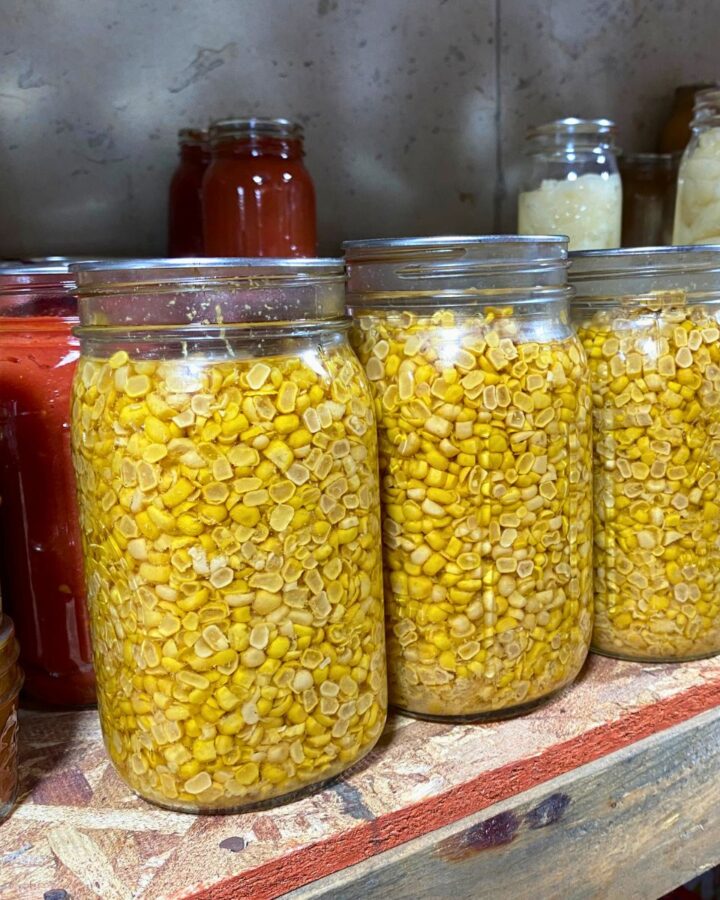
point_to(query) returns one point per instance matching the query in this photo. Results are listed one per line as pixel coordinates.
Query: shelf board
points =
(620, 771)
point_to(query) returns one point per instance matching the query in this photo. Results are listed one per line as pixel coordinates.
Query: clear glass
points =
(649, 181)
(482, 397)
(572, 184)
(697, 206)
(229, 496)
(654, 354)
(11, 680)
(41, 568)
(185, 227)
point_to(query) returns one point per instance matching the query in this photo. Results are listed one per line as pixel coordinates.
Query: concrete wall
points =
(414, 109)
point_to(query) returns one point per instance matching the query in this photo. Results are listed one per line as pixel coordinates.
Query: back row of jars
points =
(241, 189)
(226, 442)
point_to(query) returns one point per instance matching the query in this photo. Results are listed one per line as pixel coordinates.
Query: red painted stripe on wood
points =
(315, 861)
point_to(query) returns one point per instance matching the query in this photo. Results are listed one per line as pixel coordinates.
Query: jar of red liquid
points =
(185, 237)
(258, 198)
(10, 683)
(41, 571)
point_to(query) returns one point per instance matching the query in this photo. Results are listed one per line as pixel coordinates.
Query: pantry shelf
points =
(614, 782)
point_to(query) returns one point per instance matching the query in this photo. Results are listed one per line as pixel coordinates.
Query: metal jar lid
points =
(694, 269)
(459, 267)
(209, 291)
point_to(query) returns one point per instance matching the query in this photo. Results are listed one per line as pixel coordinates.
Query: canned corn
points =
(649, 321)
(482, 399)
(225, 449)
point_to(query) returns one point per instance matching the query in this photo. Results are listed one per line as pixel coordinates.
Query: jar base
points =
(76, 691)
(629, 657)
(495, 715)
(259, 805)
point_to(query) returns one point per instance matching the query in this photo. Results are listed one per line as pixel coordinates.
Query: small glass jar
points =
(11, 680)
(648, 181)
(185, 226)
(226, 456)
(649, 322)
(258, 198)
(41, 569)
(697, 207)
(483, 406)
(572, 186)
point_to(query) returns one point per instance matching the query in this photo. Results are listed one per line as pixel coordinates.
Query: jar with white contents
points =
(573, 185)
(697, 207)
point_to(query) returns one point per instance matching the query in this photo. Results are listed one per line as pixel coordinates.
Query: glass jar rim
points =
(574, 126)
(210, 291)
(598, 273)
(193, 137)
(254, 126)
(461, 266)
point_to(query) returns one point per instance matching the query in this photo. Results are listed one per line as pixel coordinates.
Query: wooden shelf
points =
(613, 784)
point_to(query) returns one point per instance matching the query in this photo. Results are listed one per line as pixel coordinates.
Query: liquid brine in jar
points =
(483, 407)
(226, 456)
(648, 319)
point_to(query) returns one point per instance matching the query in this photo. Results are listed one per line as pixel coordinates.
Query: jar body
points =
(697, 206)
(484, 422)
(229, 500)
(258, 200)
(648, 183)
(185, 225)
(655, 381)
(10, 683)
(40, 557)
(575, 191)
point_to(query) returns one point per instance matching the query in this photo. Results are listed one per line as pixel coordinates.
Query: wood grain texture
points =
(633, 824)
(422, 777)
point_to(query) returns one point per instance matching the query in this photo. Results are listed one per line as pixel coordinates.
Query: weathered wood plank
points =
(634, 824)
(422, 777)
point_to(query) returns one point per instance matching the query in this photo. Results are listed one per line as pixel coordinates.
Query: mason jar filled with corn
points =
(483, 404)
(226, 456)
(648, 319)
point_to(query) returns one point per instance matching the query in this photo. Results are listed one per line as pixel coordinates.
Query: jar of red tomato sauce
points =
(41, 571)
(257, 197)
(185, 234)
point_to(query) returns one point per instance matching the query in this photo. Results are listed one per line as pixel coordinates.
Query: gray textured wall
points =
(414, 109)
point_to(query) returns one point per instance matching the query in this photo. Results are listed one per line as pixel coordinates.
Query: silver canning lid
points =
(34, 269)
(573, 125)
(227, 129)
(209, 291)
(641, 270)
(461, 265)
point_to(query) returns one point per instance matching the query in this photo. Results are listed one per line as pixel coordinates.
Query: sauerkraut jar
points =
(648, 319)
(226, 457)
(697, 206)
(483, 405)
(572, 185)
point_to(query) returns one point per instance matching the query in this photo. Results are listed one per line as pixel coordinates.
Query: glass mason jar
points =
(676, 132)
(648, 319)
(697, 206)
(258, 198)
(41, 568)
(185, 226)
(11, 680)
(483, 406)
(572, 185)
(648, 181)
(226, 456)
